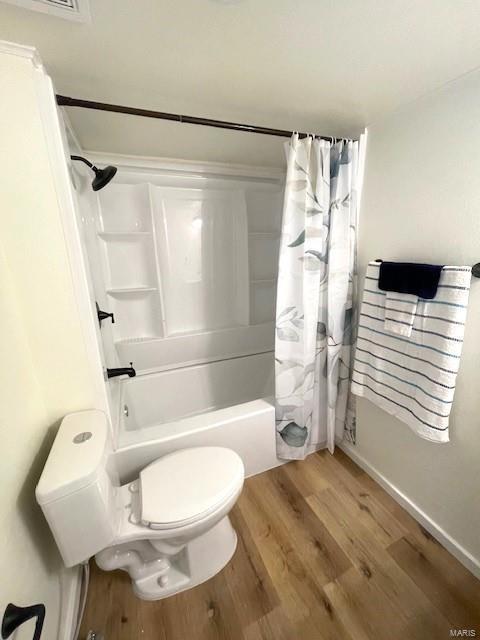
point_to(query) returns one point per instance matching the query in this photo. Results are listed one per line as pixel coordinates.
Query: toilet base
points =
(158, 574)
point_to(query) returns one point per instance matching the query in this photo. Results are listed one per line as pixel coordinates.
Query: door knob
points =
(15, 616)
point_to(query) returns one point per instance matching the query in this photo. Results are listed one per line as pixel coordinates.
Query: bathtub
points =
(226, 403)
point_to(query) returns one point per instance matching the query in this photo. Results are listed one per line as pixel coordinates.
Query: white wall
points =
(45, 370)
(421, 202)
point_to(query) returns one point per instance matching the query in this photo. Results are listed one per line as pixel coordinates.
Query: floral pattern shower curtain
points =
(315, 297)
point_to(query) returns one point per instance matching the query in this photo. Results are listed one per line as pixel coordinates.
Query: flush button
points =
(82, 437)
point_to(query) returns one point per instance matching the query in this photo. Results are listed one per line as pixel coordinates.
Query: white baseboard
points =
(456, 549)
(70, 587)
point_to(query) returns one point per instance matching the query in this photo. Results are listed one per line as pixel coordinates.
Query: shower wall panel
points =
(188, 262)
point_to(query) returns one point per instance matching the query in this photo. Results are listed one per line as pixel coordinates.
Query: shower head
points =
(102, 176)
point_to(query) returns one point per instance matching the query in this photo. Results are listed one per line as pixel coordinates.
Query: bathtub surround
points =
(421, 203)
(316, 297)
(413, 378)
(184, 254)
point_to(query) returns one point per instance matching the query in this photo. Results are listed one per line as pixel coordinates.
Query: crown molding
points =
(22, 51)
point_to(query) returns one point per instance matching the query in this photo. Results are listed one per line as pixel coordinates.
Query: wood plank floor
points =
(324, 554)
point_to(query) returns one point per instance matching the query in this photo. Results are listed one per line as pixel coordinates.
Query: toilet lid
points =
(185, 485)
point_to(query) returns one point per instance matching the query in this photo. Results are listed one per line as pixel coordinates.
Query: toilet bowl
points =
(169, 528)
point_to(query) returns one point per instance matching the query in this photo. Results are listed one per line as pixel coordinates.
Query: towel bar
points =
(475, 268)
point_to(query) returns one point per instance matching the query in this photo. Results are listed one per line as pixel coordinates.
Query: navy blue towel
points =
(410, 277)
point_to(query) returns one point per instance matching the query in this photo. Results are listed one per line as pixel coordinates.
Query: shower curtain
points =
(315, 297)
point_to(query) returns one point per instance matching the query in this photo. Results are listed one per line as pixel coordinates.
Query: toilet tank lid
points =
(75, 457)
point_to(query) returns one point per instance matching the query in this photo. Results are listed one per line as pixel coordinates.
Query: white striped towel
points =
(400, 309)
(413, 378)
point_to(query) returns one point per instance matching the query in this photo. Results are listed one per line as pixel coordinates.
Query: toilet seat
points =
(188, 485)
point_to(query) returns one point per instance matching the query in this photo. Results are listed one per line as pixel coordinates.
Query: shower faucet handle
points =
(103, 315)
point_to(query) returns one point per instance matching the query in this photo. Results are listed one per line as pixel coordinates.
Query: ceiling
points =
(328, 66)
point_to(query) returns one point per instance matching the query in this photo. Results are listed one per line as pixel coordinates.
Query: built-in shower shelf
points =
(128, 290)
(136, 340)
(122, 234)
(264, 234)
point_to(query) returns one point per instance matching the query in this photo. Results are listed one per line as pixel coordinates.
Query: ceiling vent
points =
(77, 10)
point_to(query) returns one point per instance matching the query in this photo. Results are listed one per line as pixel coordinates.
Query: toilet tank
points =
(75, 491)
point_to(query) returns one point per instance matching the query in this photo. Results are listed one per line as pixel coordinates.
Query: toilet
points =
(169, 528)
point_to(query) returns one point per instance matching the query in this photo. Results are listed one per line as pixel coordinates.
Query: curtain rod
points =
(65, 101)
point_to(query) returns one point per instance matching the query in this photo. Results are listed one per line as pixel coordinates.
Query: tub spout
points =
(122, 371)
